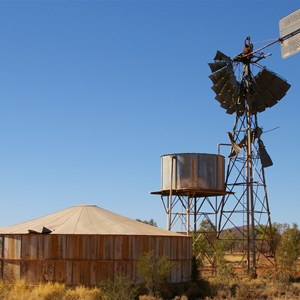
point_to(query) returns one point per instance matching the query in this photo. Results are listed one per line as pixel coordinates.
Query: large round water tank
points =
(197, 171)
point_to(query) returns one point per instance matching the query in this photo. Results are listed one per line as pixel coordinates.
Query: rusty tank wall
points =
(198, 171)
(87, 259)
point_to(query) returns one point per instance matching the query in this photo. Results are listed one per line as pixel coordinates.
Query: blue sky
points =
(92, 93)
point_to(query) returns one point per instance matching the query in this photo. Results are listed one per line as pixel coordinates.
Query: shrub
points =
(121, 288)
(223, 268)
(287, 253)
(154, 271)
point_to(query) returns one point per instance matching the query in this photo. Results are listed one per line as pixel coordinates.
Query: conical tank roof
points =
(85, 219)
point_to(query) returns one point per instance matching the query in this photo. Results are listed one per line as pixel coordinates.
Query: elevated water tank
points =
(195, 171)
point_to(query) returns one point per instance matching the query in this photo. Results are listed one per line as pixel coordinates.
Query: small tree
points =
(122, 288)
(154, 271)
(208, 247)
(222, 267)
(203, 241)
(287, 252)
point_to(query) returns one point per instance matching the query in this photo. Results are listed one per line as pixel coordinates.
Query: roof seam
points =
(88, 214)
(78, 220)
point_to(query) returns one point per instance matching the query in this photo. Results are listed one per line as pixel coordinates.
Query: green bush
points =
(121, 288)
(287, 253)
(154, 271)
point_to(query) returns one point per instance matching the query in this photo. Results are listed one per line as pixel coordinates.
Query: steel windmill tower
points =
(245, 88)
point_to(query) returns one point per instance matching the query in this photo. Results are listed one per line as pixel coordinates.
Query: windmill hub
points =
(246, 56)
(252, 92)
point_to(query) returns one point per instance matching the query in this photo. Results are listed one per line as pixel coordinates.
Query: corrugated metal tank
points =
(86, 244)
(87, 259)
(198, 171)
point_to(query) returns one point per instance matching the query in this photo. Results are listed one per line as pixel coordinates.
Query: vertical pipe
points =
(245, 85)
(253, 237)
(250, 194)
(171, 194)
(251, 200)
(195, 214)
(188, 209)
(168, 211)
(216, 214)
(2, 258)
(248, 154)
(170, 197)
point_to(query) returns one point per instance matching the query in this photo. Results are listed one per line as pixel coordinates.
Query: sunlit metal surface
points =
(198, 171)
(290, 25)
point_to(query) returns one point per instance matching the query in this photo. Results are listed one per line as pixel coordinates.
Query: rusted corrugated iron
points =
(88, 259)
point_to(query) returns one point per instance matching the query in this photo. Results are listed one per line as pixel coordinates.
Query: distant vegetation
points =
(279, 251)
(150, 222)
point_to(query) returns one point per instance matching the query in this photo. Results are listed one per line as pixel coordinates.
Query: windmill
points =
(245, 89)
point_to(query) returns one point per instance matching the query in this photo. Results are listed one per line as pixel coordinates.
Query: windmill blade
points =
(227, 97)
(221, 79)
(268, 88)
(221, 56)
(217, 65)
(224, 82)
(218, 75)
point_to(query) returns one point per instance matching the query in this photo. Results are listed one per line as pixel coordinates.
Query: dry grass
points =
(234, 257)
(48, 291)
(245, 288)
(241, 288)
(147, 297)
(83, 293)
(15, 291)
